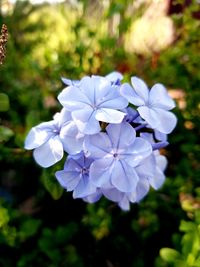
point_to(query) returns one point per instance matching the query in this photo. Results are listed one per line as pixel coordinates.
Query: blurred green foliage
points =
(40, 225)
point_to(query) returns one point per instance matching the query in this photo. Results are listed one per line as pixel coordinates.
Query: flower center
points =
(84, 171)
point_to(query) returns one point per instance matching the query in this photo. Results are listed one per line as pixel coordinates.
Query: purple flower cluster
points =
(111, 132)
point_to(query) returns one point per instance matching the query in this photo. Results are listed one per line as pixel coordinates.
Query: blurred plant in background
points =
(71, 39)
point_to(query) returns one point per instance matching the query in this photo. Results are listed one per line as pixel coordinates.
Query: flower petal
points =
(109, 115)
(38, 135)
(71, 138)
(100, 172)
(88, 86)
(149, 115)
(142, 189)
(113, 194)
(85, 121)
(159, 98)
(98, 145)
(93, 197)
(124, 177)
(140, 88)
(147, 167)
(114, 76)
(161, 161)
(70, 82)
(84, 188)
(160, 136)
(73, 98)
(63, 117)
(124, 204)
(158, 179)
(121, 135)
(49, 153)
(127, 91)
(68, 179)
(166, 120)
(137, 152)
(114, 101)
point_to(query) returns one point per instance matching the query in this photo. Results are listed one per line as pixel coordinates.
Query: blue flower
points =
(116, 154)
(114, 77)
(50, 139)
(153, 106)
(150, 173)
(75, 176)
(94, 99)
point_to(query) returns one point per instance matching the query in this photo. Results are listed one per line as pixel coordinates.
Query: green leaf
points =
(4, 217)
(29, 228)
(187, 226)
(170, 255)
(4, 102)
(5, 133)
(52, 186)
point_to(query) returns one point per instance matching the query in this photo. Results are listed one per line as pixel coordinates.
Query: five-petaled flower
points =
(153, 106)
(50, 139)
(94, 99)
(116, 154)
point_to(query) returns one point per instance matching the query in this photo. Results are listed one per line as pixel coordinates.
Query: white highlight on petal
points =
(49, 153)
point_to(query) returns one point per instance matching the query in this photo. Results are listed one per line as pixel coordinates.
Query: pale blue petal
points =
(113, 194)
(71, 138)
(89, 86)
(68, 179)
(109, 115)
(93, 197)
(96, 89)
(63, 117)
(100, 172)
(142, 189)
(137, 152)
(121, 135)
(124, 204)
(104, 89)
(49, 153)
(85, 121)
(38, 135)
(166, 120)
(124, 177)
(140, 88)
(131, 114)
(157, 181)
(161, 160)
(70, 82)
(97, 146)
(114, 76)
(113, 100)
(72, 98)
(159, 98)
(74, 165)
(148, 137)
(149, 115)
(84, 188)
(160, 136)
(127, 91)
(147, 167)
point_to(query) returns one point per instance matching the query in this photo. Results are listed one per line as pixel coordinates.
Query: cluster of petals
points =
(111, 134)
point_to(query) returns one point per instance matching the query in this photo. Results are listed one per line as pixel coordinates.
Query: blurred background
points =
(157, 40)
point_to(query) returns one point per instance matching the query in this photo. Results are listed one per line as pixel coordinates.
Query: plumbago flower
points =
(50, 139)
(94, 99)
(153, 106)
(112, 148)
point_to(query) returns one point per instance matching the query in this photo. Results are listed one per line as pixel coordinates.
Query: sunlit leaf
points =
(5, 133)
(170, 255)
